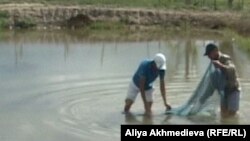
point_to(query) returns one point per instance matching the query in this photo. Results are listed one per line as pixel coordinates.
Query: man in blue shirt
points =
(142, 82)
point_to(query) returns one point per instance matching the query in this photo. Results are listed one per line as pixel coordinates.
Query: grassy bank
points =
(169, 4)
(242, 41)
(3, 19)
(240, 25)
(177, 12)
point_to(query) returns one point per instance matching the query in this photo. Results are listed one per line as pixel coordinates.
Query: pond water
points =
(57, 86)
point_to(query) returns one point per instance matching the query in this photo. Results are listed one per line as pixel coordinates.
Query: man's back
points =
(147, 71)
(230, 73)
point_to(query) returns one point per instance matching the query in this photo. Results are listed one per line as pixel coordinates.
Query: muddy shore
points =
(57, 16)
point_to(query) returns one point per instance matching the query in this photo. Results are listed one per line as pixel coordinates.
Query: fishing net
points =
(204, 100)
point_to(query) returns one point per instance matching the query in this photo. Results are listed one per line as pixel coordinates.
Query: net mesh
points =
(204, 100)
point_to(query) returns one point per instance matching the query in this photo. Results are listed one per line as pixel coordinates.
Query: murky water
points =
(56, 86)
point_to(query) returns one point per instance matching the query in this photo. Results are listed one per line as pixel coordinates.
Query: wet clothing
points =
(150, 74)
(232, 83)
(133, 91)
(230, 100)
(231, 97)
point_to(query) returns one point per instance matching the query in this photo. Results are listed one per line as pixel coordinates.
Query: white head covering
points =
(160, 61)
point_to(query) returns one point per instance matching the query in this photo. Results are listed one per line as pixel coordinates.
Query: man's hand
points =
(168, 107)
(217, 64)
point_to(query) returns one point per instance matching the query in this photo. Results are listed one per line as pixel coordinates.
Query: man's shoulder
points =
(145, 62)
(224, 58)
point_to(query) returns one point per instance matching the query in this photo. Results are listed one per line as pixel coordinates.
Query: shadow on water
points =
(138, 119)
(131, 118)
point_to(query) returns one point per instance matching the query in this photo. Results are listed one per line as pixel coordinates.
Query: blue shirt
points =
(147, 70)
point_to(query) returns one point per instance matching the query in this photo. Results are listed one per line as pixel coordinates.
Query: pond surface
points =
(57, 86)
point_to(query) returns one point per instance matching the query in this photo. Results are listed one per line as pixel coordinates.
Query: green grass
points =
(106, 26)
(169, 4)
(24, 23)
(3, 19)
(242, 41)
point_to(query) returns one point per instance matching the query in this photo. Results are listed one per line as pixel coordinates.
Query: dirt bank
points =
(44, 16)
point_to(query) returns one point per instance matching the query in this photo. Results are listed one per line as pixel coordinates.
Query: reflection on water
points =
(59, 86)
(133, 119)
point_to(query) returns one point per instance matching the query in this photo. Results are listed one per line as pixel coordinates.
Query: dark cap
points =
(209, 48)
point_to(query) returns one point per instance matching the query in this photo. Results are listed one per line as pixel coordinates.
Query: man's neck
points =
(219, 55)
